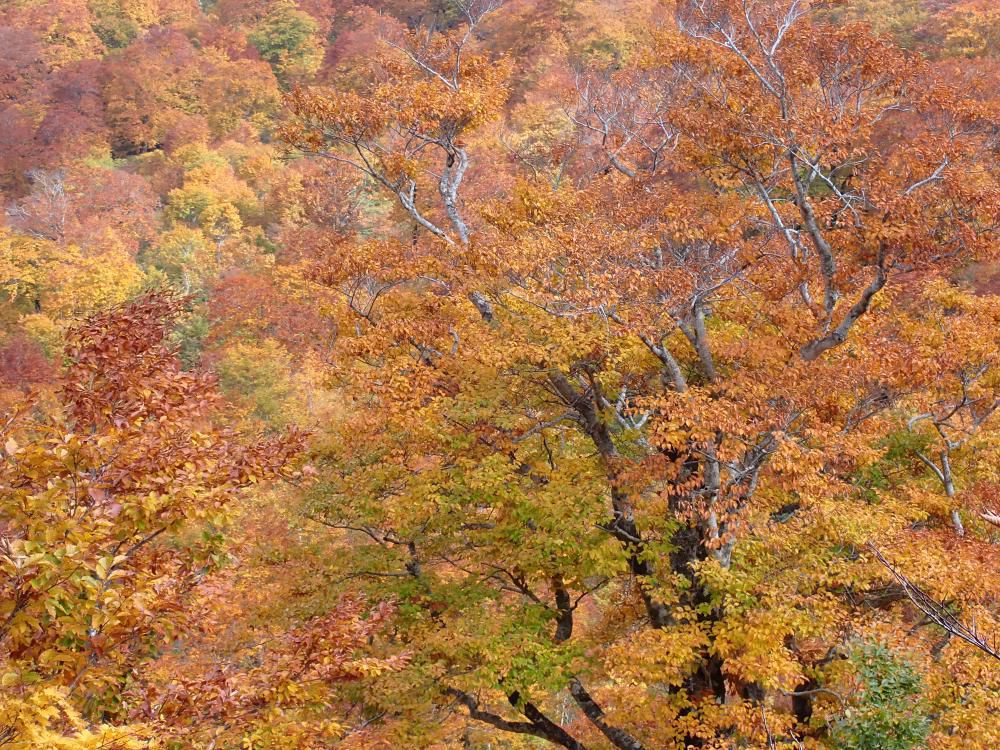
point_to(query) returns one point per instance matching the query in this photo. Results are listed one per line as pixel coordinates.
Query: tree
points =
(436, 91)
(286, 39)
(93, 491)
(636, 474)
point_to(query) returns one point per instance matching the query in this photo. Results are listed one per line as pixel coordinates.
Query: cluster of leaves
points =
(889, 713)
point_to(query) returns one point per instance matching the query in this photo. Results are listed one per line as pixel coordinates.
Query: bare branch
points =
(936, 611)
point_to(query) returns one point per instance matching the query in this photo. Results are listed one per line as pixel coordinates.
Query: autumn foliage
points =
(500, 374)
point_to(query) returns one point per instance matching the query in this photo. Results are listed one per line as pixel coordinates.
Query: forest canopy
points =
(480, 374)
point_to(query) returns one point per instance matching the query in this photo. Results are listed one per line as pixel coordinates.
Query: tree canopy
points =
(586, 374)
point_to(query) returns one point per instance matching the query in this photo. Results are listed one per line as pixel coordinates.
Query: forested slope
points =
(499, 374)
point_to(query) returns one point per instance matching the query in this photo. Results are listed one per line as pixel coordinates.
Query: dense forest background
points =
(480, 374)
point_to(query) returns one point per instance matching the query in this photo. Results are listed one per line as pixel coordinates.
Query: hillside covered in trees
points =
(499, 374)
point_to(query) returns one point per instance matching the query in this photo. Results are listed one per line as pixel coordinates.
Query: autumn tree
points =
(286, 39)
(636, 475)
(408, 132)
(93, 493)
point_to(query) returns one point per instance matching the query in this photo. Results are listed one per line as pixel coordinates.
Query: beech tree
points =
(639, 472)
(411, 126)
(90, 494)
